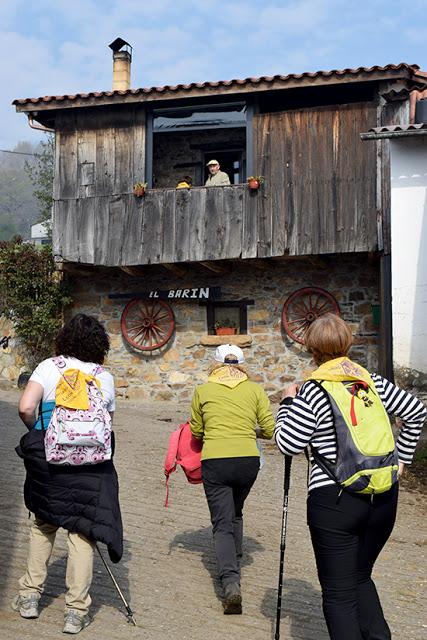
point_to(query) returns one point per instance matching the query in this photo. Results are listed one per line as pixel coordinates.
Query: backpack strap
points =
(97, 370)
(318, 459)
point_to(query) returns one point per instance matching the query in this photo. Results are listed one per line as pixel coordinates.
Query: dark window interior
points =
(230, 161)
(177, 154)
(306, 97)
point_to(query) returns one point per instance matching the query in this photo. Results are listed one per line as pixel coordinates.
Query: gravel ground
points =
(168, 571)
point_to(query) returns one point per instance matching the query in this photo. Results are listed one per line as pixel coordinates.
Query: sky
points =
(53, 47)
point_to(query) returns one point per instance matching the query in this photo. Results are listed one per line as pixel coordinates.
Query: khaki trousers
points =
(78, 577)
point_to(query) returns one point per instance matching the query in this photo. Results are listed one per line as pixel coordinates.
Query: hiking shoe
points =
(232, 599)
(74, 622)
(28, 606)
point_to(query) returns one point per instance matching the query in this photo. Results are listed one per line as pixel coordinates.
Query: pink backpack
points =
(76, 437)
(184, 449)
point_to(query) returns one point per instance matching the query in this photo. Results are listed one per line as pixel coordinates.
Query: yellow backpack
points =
(366, 460)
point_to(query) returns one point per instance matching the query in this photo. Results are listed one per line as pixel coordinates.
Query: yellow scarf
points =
(71, 390)
(340, 369)
(229, 376)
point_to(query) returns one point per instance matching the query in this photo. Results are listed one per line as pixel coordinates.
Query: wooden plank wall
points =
(99, 152)
(166, 225)
(320, 194)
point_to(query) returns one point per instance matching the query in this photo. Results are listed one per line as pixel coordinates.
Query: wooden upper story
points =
(324, 192)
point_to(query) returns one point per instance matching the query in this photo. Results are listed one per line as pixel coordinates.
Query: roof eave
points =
(389, 135)
(233, 87)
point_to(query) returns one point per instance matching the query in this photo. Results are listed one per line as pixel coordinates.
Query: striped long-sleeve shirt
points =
(309, 421)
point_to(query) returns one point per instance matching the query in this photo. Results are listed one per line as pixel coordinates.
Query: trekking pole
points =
(287, 481)
(130, 616)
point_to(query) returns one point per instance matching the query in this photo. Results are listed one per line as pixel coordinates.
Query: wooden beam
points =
(176, 269)
(135, 271)
(75, 269)
(216, 267)
(261, 264)
(318, 263)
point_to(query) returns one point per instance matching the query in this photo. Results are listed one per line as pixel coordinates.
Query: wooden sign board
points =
(195, 293)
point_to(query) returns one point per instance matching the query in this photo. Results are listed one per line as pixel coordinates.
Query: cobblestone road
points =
(168, 570)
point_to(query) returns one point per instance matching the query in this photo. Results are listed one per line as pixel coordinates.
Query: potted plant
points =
(225, 327)
(139, 189)
(254, 182)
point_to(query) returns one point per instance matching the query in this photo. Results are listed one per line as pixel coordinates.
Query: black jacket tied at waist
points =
(80, 499)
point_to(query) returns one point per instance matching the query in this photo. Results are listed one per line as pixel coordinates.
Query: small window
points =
(227, 318)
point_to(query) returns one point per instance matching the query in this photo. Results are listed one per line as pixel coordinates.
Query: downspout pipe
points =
(37, 126)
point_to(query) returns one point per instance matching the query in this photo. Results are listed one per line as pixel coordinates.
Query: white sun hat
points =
(229, 349)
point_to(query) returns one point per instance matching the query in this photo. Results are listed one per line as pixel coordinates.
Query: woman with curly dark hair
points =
(80, 499)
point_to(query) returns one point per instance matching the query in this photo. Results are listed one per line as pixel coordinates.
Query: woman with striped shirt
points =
(348, 530)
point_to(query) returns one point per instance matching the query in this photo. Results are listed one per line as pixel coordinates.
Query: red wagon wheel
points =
(303, 307)
(147, 324)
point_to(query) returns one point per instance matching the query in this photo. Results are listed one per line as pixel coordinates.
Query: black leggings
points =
(227, 483)
(348, 533)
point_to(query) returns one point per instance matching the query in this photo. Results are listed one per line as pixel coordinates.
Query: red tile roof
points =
(399, 127)
(395, 130)
(181, 89)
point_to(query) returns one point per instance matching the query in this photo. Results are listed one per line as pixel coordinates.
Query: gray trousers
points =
(227, 483)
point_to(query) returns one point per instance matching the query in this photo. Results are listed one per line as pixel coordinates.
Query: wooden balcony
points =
(170, 226)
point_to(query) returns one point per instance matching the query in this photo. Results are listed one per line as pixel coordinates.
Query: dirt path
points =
(168, 570)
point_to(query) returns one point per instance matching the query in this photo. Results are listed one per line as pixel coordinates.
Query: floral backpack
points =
(79, 430)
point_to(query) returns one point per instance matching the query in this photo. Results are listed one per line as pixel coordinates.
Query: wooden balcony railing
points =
(216, 223)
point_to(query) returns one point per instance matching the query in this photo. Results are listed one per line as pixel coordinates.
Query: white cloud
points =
(58, 46)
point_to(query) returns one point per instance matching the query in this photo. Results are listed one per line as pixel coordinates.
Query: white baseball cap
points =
(229, 349)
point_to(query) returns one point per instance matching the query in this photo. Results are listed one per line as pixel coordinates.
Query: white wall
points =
(409, 251)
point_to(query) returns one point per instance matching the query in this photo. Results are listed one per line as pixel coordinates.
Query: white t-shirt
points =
(47, 374)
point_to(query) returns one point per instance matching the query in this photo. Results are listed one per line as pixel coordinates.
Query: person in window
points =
(185, 183)
(216, 178)
(225, 412)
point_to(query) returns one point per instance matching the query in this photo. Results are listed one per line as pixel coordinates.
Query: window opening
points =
(227, 315)
(199, 117)
(231, 162)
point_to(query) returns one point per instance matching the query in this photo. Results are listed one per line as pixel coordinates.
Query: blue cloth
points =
(47, 410)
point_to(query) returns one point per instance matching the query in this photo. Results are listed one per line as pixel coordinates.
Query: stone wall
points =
(12, 362)
(271, 357)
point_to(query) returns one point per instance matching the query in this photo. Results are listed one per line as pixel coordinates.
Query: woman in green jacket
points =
(225, 412)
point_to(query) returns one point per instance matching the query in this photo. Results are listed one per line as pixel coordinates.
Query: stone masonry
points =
(272, 358)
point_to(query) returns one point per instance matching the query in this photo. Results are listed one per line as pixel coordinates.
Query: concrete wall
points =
(409, 259)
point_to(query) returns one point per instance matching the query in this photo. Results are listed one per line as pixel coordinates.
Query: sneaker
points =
(28, 606)
(232, 599)
(74, 622)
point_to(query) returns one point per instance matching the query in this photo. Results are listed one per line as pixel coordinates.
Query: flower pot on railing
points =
(254, 182)
(139, 189)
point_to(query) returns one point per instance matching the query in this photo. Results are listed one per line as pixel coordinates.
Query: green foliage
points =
(225, 323)
(41, 175)
(32, 296)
